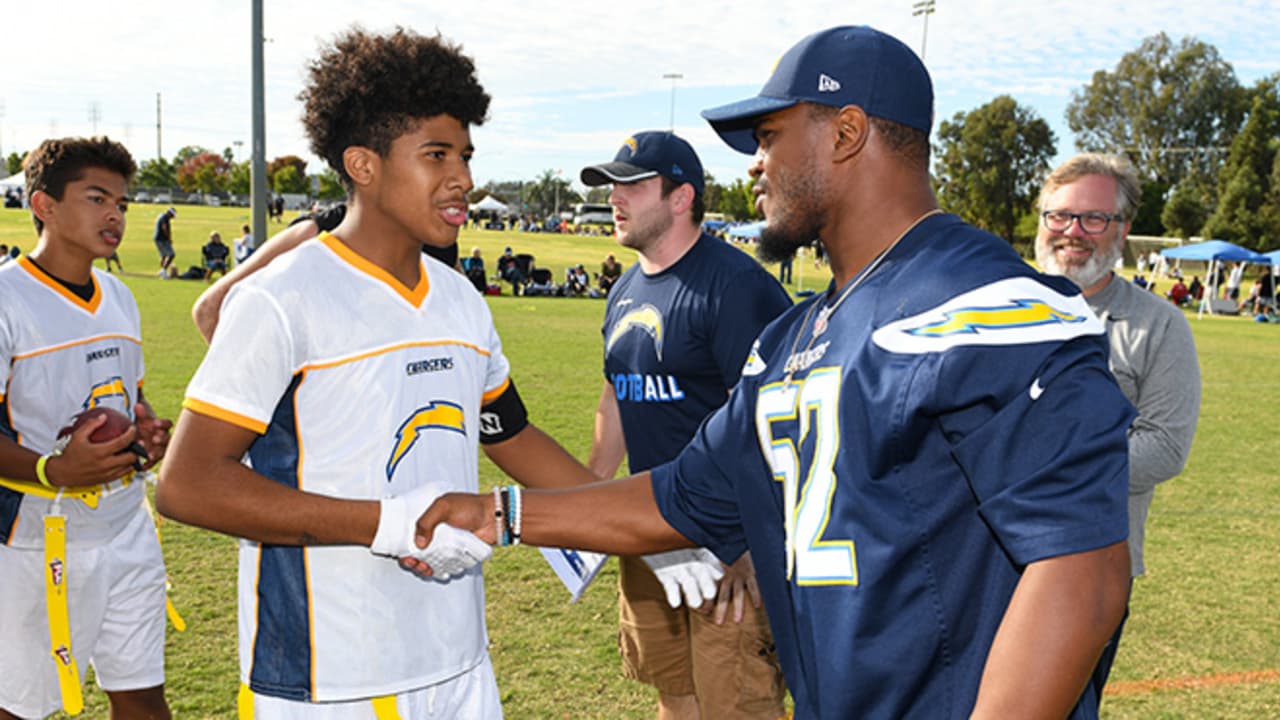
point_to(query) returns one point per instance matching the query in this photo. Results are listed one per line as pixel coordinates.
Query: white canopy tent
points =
(13, 181)
(490, 204)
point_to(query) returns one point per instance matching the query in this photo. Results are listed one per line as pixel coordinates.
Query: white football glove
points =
(398, 522)
(694, 572)
(451, 552)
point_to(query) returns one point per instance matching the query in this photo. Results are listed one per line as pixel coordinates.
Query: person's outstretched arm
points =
(611, 516)
(207, 307)
(203, 483)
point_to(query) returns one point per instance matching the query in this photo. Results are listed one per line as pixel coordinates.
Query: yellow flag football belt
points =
(88, 494)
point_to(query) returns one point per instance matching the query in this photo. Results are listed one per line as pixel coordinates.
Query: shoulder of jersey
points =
(1015, 310)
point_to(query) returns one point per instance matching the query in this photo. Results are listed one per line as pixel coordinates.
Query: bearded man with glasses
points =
(1085, 210)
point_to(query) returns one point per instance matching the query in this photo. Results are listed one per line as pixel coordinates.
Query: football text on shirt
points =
(634, 387)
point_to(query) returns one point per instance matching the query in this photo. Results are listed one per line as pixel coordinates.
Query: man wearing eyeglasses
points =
(1086, 207)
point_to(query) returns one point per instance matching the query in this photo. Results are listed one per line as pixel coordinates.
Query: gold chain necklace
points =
(824, 314)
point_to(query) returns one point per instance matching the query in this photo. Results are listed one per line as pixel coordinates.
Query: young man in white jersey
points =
(81, 577)
(360, 375)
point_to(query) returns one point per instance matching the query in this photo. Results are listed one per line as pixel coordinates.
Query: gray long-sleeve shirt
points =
(1153, 357)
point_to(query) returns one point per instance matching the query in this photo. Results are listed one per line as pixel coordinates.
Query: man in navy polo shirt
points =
(677, 330)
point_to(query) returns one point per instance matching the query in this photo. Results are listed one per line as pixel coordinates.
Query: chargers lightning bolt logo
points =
(646, 318)
(440, 414)
(1020, 313)
(111, 388)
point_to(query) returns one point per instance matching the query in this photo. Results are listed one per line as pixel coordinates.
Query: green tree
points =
(1186, 211)
(1245, 179)
(282, 162)
(240, 178)
(157, 173)
(990, 164)
(206, 172)
(550, 193)
(13, 164)
(331, 185)
(1170, 107)
(187, 153)
(737, 201)
(288, 180)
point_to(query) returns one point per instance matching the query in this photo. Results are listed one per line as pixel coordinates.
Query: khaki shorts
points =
(731, 668)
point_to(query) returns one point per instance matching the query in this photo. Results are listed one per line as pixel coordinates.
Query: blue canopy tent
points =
(1214, 252)
(749, 230)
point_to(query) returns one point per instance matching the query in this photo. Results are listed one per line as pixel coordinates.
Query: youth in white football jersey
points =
(359, 388)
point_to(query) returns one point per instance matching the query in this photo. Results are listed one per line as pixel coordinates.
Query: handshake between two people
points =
(447, 538)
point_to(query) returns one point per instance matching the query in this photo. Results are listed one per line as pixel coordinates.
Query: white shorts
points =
(116, 605)
(473, 695)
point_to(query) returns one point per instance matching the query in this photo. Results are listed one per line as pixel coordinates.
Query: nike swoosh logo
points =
(1036, 390)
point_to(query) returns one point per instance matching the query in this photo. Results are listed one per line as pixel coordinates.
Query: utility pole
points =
(925, 8)
(95, 114)
(258, 172)
(159, 151)
(673, 77)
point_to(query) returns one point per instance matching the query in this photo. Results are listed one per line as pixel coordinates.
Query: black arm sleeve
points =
(504, 417)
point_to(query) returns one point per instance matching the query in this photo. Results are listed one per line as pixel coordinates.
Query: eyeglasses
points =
(1092, 223)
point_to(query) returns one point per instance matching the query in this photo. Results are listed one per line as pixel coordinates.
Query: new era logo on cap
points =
(826, 83)
(649, 154)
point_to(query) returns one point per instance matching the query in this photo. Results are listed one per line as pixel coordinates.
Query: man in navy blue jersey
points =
(928, 462)
(678, 327)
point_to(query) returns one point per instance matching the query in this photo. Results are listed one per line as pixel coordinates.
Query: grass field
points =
(1202, 641)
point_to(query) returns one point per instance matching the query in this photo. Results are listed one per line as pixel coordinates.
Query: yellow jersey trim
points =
(414, 296)
(90, 306)
(224, 415)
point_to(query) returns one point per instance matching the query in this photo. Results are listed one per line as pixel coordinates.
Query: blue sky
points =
(570, 80)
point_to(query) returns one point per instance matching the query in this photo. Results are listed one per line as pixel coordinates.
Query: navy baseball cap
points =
(649, 154)
(840, 66)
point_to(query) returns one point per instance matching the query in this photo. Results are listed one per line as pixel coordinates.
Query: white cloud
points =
(570, 80)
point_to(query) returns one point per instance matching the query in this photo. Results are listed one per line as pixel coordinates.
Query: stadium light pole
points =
(673, 77)
(925, 8)
(258, 172)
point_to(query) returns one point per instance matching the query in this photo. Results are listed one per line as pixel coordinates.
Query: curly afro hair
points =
(57, 162)
(366, 90)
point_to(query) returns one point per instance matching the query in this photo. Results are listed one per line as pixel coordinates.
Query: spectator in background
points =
(1195, 290)
(473, 268)
(1233, 282)
(576, 280)
(1178, 293)
(114, 257)
(1087, 205)
(784, 271)
(244, 246)
(610, 271)
(509, 270)
(215, 256)
(164, 240)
